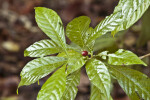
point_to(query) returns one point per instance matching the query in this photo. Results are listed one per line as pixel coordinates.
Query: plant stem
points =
(144, 56)
(91, 54)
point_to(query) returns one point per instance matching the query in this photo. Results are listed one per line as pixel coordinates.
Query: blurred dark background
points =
(18, 30)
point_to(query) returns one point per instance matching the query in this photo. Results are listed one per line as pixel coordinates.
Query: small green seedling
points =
(100, 68)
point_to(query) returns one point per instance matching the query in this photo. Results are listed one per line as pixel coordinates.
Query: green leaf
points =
(42, 48)
(131, 10)
(72, 82)
(134, 83)
(97, 95)
(103, 42)
(54, 87)
(90, 46)
(110, 98)
(99, 76)
(124, 57)
(76, 30)
(51, 24)
(74, 47)
(75, 60)
(39, 68)
(103, 54)
(107, 25)
(107, 42)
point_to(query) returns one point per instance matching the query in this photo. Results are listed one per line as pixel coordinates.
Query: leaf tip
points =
(36, 8)
(39, 9)
(113, 35)
(38, 82)
(144, 64)
(25, 53)
(17, 91)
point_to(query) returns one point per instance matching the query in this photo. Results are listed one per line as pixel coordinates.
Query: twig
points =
(144, 56)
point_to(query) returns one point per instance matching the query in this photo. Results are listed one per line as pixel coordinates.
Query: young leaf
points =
(103, 54)
(99, 76)
(134, 83)
(131, 10)
(42, 48)
(72, 82)
(76, 30)
(39, 68)
(124, 57)
(54, 87)
(75, 60)
(51, 24)
(107, 25)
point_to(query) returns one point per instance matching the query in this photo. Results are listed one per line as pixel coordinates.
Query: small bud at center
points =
(84, 53)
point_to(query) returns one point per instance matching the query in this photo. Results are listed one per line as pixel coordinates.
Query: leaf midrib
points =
(101, 82)
(84, 32)
(102, 28)
(56, 80)
(116, 14)
(47, 65)
(61, 42)
(47, 48)
(74, 77)
(80, 35)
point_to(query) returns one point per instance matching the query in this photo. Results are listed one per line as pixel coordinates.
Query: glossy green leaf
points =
(103, 54)
(124, 57)
(42, 48)
(39, 68)
(134, 83)
(126, 14)
(90, 46)
(107, 25)
(72, 82)
(97, 95)
(76, 30)
(74, 47)
(51, 24)
(75, 60)
(131, 10)
(54, 87)
(99, 76)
